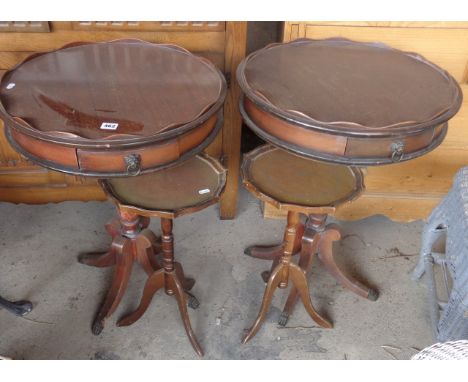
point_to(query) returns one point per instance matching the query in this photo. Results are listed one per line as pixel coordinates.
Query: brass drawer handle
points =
(133, 163)
(397, 150)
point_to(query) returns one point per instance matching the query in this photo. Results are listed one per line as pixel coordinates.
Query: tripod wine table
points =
(328, 107)
(124, 108)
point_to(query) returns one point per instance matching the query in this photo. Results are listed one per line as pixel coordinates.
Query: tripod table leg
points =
(187, 282)
(273, 282)
(264, 252)
(299, 280)
(181, 298)
(122, 247)
(145, 254)
(309, 245)
(153, 284)
(99, 260)
(330, 235)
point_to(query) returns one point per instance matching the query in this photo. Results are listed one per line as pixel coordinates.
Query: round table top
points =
(183, 188)
(123, 90)
(291, 182)
(345, 86)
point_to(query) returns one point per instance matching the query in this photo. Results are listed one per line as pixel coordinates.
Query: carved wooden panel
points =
(24, 26)
(150, 25)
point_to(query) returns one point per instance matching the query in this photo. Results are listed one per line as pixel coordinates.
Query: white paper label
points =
(109, 126)
(204, 191)
(11, 85)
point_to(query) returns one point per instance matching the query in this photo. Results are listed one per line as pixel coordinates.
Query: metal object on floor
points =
(450, 218)
(18, 308)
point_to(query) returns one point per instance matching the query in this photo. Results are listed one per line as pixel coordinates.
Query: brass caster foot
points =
(265, 276)
(192, 301)
(373, 295)
(98, 326)
(284, 318)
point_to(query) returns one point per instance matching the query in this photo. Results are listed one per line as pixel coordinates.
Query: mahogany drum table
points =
(347, 102)
(119, 109)
(109, 109)
(337, 101)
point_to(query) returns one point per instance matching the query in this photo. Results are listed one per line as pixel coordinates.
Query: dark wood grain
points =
(348, 102)
(223, 43)
(145, 88)
(159, 103)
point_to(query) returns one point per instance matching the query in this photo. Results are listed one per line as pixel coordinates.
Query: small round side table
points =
(337, 101)
(117, 109)
(307, 187)
(177, 190)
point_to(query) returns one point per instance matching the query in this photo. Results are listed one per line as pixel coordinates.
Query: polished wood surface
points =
(405, 191)
(441, 42)
(379, 106)
(143, 88)
(131, 242)
(364, 150)
(157, 105)
(348, 84)
(223, 43)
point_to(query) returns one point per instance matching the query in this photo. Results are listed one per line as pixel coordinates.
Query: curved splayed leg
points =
(180, 295)
(299, 280)
(100, 260)
(264, 252)
(273, 282)
(309, 246)
(153, 284)
(330, 235)
(187, 282)
(145, 252)
(123, 249)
